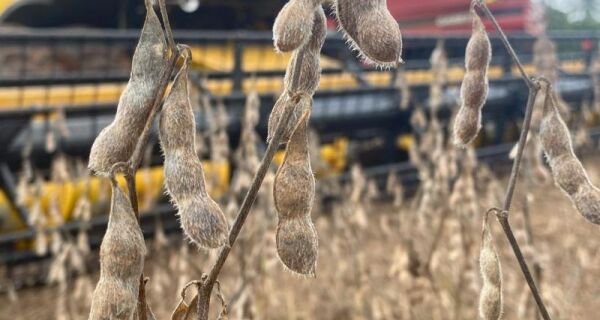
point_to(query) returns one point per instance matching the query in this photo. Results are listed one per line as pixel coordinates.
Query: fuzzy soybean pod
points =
(121, 262)
(371, 30)
(310, 71)
(294, 185)
(117, 141)
(310, 74)
(490, 298)
(567, 170)
(474, 88)
(201, 217)
(293, 24)
(294, 192)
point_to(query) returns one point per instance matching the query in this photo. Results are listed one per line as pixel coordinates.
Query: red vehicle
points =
(434, 16)
(414, 16)
(452, 16)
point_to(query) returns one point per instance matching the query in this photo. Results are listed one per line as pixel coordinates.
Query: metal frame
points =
(336, 112)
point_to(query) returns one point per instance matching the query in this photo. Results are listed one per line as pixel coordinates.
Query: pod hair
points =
(121, 262)
(294, 185)
(308, 81)
(201, 218)
(293, 24)
(567, 170)
(490, 298)
(371, 30)
(294, 191)
(117, 141)
(474, 88)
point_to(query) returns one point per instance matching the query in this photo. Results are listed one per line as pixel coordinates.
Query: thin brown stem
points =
(166, 24)
(208, 284)
(537, 269)
(509, 48)
(503, 214)
(503, 217)
(514, 174)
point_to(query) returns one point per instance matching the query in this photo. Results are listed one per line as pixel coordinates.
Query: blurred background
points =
(64, 63)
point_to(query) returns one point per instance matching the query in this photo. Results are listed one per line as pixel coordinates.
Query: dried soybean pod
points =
(554, 133)
(113, 299)
(117, 141)
(201, 218)
(587, 202)
(294, 185)
(490, 299)
(303, 104)
(293, 24)
(298, 245)
(177, 122)
(121, 262)
(371, 30)
(310, 71)
(297, 241)
(308, 81)
(567, 170)
(123, 248)
(474, 88)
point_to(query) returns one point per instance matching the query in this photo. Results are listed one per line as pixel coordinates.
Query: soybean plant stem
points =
(511, 51)
(514, 174)
(206, 287)
(165, 17)
(503, 215)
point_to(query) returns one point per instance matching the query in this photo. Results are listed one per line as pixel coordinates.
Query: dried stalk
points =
(503, 214)
(205, 288)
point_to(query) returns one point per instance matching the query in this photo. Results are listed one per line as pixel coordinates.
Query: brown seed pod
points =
(371, 30)
(310, 74)
(554, 133)
(117, 141)
(545, 60)
(567, 170)
(479, 49)
(177, 122)
(587, 202)
(123, 248)
(303, 105)
(201, 218)
(113, 299)
(490, 299)
(121, 262)
(298, 245)
(293, 24)
(467, 124)
(474, 88)
(294, 185)
(294, 191)
(569, 174)
(310, 71)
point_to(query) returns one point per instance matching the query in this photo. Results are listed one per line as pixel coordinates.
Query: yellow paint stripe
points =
(110, 93)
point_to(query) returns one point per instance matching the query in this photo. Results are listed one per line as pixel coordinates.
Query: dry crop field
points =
(465, 245)
(366, 270)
